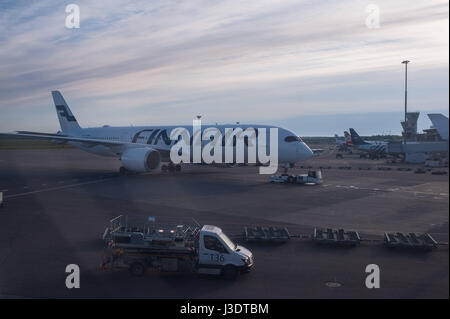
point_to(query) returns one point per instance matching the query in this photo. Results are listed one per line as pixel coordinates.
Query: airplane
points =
(372, 147)
(343, 143)
(340, 141)
(144, 148)
(348, 139)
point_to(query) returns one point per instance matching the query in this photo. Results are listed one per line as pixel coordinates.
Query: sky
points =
(311, 66)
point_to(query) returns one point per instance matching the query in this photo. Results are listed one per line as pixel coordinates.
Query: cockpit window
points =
(293, 139)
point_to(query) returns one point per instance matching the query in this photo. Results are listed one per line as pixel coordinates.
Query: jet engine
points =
(141, 159)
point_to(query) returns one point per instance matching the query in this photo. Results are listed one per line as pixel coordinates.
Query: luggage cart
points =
(266, 234)
(338, 237)
(410, 241)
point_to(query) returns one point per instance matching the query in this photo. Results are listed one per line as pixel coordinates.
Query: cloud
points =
(166, 61)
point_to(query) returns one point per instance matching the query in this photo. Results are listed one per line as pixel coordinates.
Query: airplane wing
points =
(88, 142)
(58, 137)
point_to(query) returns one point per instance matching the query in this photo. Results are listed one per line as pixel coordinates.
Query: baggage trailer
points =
(266, 234)
(410, 241)
(174, 248)
(338, 237)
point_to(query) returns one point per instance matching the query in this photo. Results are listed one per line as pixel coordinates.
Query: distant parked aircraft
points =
(343, 142)
(367, 146)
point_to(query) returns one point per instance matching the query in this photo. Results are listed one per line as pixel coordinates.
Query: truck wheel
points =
(230, 272)
(137, 269)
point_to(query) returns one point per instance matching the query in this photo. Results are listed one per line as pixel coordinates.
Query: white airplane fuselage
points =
(159, 137)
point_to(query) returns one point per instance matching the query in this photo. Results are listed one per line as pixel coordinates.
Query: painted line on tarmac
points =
(57, 188)
(391, 190)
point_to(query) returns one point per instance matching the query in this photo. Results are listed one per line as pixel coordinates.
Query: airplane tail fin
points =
(348, 139)
(440, 122)
(65, 116)
(356, 139)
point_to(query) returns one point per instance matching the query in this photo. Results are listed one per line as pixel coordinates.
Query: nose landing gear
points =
(286, 167)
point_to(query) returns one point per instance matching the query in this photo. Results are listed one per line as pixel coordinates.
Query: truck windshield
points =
(227, 241)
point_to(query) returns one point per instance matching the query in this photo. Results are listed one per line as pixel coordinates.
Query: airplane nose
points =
(304, 152)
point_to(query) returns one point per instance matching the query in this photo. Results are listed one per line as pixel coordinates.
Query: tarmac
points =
(58, 203)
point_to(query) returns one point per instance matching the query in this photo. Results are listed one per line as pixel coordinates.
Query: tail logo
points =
(63, 113)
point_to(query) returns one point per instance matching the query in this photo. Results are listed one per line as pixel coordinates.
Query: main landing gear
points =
(124, 171)
(171, 167)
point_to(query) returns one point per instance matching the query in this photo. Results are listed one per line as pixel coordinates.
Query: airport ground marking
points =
(389, 190)
(56, 188)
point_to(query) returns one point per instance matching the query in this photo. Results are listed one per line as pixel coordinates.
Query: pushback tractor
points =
(172, 247)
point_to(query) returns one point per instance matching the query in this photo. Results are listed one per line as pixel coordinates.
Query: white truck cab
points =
(218, 254)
